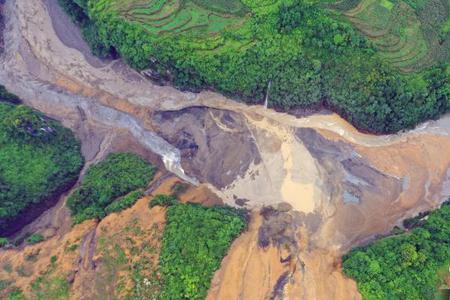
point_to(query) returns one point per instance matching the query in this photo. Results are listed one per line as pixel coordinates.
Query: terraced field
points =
(411, 35)
(290, 54)
(204, 22)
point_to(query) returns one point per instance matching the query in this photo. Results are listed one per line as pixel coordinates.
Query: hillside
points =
(380, 64)
(39, 160)
(409, 265)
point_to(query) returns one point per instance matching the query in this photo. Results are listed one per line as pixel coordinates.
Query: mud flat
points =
(343, 187)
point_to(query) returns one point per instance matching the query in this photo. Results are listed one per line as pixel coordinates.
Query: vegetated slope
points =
(411, 35)
(195, 240)
(404, 266)
(298, 53)
(144, 252)
(39, 159)
(114, 177)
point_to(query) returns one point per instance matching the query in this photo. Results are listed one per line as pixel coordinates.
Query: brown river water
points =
(343, 187)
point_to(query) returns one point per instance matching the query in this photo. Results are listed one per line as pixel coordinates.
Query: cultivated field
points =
(411, 35)
(205, 22)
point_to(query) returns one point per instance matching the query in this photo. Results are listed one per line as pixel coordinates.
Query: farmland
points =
(378, 63)
(410, 35)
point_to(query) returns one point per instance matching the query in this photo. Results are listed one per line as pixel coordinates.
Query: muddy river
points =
(339, 187)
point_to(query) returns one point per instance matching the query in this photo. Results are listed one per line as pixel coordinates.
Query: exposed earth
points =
(332, 187)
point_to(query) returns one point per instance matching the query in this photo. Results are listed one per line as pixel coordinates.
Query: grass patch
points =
(71, 248)
(387, 4)
(35, 238)
(16, 294)
(56, 288)
(129, 268)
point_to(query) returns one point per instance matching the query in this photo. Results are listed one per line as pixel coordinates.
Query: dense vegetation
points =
(195, 240)
(39, 159)
(297, 52)
(404, 266)
(116, 176)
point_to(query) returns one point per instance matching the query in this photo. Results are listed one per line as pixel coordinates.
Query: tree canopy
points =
(310, 56)
(116, 176)
(403, 266)
(39, 159)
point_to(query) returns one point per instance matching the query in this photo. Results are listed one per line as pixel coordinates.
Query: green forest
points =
(110, 186)
(39, 160)
(404, 266)
(195, 240)
(382, 65)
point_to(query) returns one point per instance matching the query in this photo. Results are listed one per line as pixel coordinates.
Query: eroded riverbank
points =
(345, 187)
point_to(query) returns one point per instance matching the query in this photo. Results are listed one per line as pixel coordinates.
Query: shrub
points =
(163, 200)
(25, 124)
(72, 248)
(126, 201)
(35, 238)
(16, 294)
(3, 242)
(4, 284)
(23, 272)
(50, 288)
(53, 259)
(179, 188)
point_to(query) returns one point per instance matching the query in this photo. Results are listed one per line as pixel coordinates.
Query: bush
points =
(3, 242)
(163, 200)
(35, 238)
(116, 176)
(126, 201)
(50, 288)
(195, 240)
(25, 124)
(179, 188)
